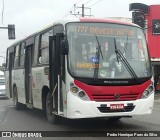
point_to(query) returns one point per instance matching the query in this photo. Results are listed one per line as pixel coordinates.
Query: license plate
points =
(117, 106)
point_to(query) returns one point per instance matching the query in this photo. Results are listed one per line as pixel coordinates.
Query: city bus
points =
(82, 68)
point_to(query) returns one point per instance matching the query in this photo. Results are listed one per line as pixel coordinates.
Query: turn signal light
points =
(74, 89)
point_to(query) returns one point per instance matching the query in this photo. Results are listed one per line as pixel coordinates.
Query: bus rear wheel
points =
(16, 104)
(51, 116)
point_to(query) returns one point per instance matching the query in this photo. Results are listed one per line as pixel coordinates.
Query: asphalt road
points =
(35, 120)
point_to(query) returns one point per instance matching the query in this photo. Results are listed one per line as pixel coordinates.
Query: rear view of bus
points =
(109, 70)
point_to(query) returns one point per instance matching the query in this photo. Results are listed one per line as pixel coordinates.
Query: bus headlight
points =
(78, 92)
(81, 94)
(74, 89)
(147, 92)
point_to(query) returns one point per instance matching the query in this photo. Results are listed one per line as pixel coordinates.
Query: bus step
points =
(29, 105)
(59, 114)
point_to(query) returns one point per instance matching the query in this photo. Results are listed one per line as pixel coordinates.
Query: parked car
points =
(2, 86)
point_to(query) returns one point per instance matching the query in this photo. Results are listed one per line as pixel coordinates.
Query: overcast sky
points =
(30, 16)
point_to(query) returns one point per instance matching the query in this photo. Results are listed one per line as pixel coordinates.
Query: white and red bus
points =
(82, 68)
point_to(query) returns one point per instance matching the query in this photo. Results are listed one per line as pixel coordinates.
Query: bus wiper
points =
(99, 47)
(116, 50)
(98, 53)
(124, 61)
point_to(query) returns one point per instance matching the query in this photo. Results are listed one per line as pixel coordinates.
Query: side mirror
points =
(64, 47)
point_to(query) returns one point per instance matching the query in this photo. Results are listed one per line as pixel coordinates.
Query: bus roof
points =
(82, 19)
(107, 20)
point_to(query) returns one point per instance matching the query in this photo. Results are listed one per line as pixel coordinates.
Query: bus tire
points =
(16, 104)
(51, 117)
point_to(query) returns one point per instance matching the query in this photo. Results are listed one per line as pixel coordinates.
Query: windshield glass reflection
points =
(92, 51)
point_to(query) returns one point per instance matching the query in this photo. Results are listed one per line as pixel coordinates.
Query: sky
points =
(30, 16)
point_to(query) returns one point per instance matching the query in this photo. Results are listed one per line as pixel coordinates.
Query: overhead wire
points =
(84, 4)
(68, 12)
(88, 2)
(92, 4)
(95, 3)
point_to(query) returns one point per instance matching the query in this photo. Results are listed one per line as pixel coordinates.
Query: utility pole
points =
(83, 8)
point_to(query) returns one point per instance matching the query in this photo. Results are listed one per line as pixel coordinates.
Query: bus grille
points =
(113, 97)
(107, 109)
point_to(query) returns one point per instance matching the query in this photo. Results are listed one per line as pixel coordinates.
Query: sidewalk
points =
(157, 98)
(157, 95)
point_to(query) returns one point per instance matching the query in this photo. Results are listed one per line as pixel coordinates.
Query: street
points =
(80, 59)
(35, 120)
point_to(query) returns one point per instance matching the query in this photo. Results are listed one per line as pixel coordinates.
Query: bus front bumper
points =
(77, 108)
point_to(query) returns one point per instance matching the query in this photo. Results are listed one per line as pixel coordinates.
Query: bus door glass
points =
(28, 78)
(11, 61)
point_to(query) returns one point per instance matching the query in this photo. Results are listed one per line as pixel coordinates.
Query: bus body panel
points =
(39, 80)
(66, 89)
(18, 81)
(107, 93)
(77, 108)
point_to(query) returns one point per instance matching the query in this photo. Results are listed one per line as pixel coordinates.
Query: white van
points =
(2, 85)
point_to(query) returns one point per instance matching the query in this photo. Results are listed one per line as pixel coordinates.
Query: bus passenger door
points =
(55, 69)
(28, 76)
(11, 62)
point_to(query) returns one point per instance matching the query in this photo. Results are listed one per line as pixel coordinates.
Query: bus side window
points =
(44, 48)
(7, 60)
(16, 56)
(22, 53)
(36, 46)
(40, 58)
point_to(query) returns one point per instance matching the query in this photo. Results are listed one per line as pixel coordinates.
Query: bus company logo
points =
(6, 134)
(116, 96)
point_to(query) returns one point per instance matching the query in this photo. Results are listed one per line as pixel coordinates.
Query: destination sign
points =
(106, 31)
(88, 65)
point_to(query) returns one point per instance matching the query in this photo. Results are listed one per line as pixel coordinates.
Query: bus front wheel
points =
(51, 116)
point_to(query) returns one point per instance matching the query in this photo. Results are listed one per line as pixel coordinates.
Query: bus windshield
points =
(107, 51)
